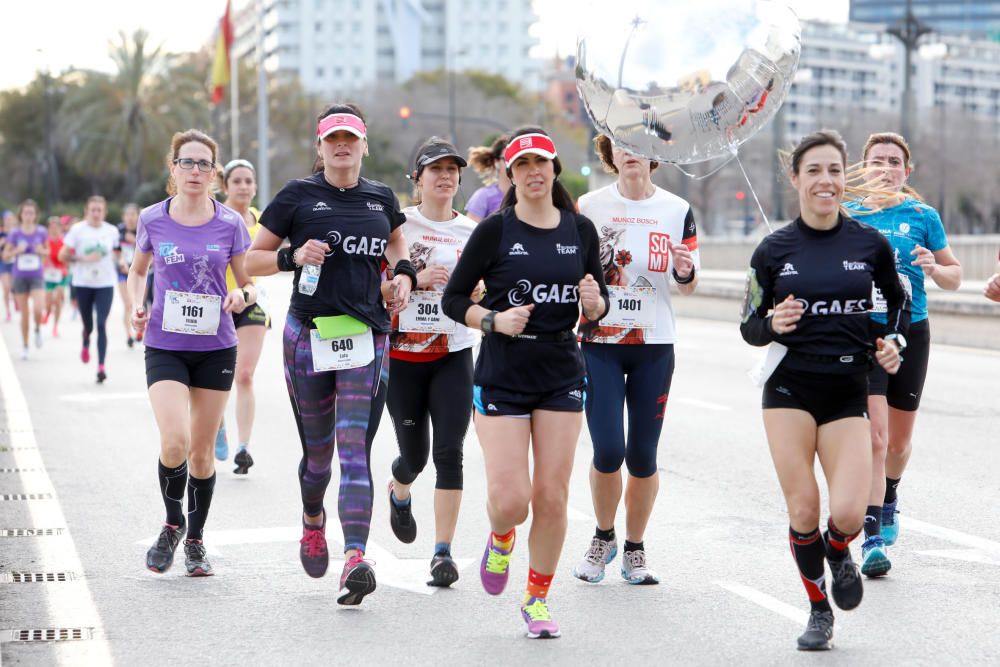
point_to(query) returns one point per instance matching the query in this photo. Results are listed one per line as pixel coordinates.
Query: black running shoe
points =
(130, 342)
(847, 588)
(444, 572)
(356, 580)
(101, 377)
(160, 556)
(401, 519)
(819, 632)
(196, 559)
(243, 462)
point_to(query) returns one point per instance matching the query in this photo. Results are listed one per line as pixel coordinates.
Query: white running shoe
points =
(24, 353)
(634, 569)
(600, 553)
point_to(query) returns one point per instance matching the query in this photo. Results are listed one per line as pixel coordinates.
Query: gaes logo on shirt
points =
(836, 306)
(788, 270)
(355, 245)
(517, 249)
(168, 251)
(542, 293)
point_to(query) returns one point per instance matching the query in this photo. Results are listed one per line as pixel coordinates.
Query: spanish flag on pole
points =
(220, 68)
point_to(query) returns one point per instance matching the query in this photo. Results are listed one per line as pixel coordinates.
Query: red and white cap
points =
(341, 121)
(536, 143)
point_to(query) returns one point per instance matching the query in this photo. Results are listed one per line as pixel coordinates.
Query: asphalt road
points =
(730, 593)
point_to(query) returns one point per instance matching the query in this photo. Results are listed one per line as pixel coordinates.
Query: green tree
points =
(119, 124)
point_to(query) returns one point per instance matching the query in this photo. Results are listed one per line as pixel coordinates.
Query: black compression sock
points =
(634, 546)
(837, 542)
(890, 490)
(173, 481)
(873, 521)
(606, 535)
(808, 551)
(199, 502)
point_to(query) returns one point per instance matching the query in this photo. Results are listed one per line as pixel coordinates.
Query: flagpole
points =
(263, 147)
(234, 103)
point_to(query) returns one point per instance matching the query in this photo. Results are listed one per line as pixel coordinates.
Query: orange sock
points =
(538, 585)
(504, 542)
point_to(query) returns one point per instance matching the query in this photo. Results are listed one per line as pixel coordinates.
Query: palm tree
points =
(119, 124)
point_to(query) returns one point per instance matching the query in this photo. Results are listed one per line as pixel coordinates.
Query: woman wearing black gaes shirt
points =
(817, 275)
(540, 262)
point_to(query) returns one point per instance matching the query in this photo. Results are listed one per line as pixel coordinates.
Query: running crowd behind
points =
(570, 305)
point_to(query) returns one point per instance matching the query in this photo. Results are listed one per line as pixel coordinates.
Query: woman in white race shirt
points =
(648, 236)
(431, 358)
(92, 246)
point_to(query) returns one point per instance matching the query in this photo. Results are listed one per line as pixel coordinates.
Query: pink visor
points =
(539, 144)
(341, 121)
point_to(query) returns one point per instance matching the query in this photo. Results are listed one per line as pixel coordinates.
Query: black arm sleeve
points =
(755, 325)
(592, 257)
(887, 280)
(472, 265)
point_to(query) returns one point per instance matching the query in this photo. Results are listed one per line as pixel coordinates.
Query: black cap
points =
(436, 150)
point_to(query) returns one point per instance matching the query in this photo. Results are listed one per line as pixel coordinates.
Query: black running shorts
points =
(826, 396)
(903, 390)
(497, 402)
(214, 369)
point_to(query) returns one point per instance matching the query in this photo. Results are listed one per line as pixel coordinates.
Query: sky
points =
(79, 37)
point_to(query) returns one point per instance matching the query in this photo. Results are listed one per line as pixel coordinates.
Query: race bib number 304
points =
(424, 315)
(338, 354)
(194, 314)
(631, 307)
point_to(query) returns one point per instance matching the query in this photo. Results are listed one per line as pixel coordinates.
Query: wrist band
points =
(405, 268)
(683, 281)
(286, 261)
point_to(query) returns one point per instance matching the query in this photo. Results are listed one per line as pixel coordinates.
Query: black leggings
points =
(424, 393)
(88, 298)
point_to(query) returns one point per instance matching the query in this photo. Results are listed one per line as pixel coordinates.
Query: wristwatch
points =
(487, 322)
(899, 338)
(246, 296)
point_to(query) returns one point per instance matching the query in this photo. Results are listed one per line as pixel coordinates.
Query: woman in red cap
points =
(540, 262)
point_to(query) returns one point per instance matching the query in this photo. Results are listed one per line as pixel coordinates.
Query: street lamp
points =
(908, 30)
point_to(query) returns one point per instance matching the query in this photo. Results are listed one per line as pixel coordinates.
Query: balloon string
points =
(703, 176)
(754, 193)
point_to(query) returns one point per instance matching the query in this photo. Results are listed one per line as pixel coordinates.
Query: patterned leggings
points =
(336, 408)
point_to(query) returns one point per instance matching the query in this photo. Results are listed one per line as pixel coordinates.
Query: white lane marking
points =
(100, 397)
(967, 555)
(577, 515)
(949, 535)
(766, 601)
(408, 574)
(695, 403)
(69, 603)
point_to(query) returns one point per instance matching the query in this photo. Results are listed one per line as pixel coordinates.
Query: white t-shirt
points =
(85, 239)
(637, 264)
(432, 243)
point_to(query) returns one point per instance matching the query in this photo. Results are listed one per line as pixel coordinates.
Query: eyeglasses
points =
(187, 164)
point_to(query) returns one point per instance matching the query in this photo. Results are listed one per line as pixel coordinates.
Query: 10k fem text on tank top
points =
(356, 223)
(190, 260)
(831, 273)
(522, 265)
(905, 226)
(637, 263)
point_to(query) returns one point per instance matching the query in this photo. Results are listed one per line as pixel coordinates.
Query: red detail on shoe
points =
(315, 542)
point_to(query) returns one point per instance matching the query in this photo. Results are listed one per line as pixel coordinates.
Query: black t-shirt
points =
(523, 265)
(356, 223)
(831, 273)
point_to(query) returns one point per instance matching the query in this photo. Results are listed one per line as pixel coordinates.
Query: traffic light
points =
(740, 195)
(404, 115)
